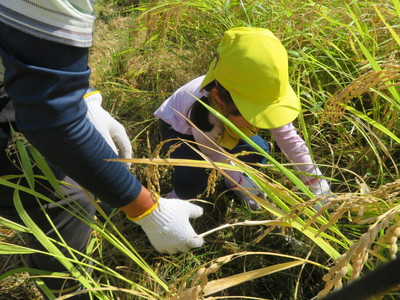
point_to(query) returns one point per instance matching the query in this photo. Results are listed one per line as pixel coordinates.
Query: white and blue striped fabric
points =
(68, 22)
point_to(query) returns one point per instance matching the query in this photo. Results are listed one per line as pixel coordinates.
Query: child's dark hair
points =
(199, 113)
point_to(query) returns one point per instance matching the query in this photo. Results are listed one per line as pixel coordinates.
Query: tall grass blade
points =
(44, 167)
(396, 4)
(390, 28)
(24, 158)
(7, 248)
(373, 123)
(44, 240)
(119, 242)
(279, 166)
(12, 225)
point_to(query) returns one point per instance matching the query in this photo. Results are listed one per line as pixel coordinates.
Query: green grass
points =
(344, 65)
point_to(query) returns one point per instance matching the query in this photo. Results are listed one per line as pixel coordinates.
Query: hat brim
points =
(209, 76)
(268, 116)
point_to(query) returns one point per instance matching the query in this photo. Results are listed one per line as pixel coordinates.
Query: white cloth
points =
(181, 101)
(68, 22)
(286, 137)
(168, 227)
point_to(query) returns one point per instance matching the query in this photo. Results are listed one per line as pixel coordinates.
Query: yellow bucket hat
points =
(252, 64)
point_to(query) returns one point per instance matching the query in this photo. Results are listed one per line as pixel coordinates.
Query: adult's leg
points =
(53, 218)
(72, 230)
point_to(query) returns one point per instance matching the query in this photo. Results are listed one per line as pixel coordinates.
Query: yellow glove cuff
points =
(92, 92)
(145, 214)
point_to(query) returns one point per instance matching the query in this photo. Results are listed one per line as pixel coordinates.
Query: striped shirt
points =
(68, 22)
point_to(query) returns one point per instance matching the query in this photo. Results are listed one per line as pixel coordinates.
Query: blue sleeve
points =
(80, 151)
(51, 114)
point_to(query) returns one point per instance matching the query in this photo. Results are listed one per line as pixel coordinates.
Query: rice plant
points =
(344, 66)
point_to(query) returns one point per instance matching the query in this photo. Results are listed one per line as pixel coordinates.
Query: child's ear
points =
(215, 95)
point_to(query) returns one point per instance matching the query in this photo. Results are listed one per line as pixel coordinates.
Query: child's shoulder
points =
(193, 87)
(194, 84)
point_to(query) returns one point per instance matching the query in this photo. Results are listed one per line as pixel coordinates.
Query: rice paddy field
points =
(344, 64)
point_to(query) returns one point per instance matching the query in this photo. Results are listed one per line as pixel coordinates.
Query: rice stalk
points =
(49, 244)
(336, 105)
(52, 246)
(201, 286)
(271, 189)
(358, 254)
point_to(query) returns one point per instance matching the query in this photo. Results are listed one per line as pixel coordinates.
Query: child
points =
(248, 83)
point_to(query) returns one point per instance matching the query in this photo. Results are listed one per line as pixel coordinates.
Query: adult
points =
(44, 49)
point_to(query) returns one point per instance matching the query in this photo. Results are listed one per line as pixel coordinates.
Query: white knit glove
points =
(112, 131)
(321, 188)
(250, 186)
(168, 227)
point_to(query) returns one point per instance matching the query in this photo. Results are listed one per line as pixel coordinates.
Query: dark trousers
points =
(190, 181)
(74, 231)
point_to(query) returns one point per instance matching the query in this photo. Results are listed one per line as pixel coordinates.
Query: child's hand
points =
(321, 188)
(246, 183)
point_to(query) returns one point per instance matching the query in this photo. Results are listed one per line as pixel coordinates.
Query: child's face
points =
(230, 111)
(238, 120)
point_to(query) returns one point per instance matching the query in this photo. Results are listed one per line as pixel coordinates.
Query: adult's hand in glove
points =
(168, 227)
(248, 184)
(112, 131)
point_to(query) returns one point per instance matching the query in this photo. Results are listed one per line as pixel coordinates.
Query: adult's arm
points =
(47, 84)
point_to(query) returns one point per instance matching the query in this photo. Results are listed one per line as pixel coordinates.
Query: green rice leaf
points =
(396, 4)
(25, 160)
(390, 28)
(7, 248)
(47, 244)
(44, 167)
(372, 122)
(12, 225)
